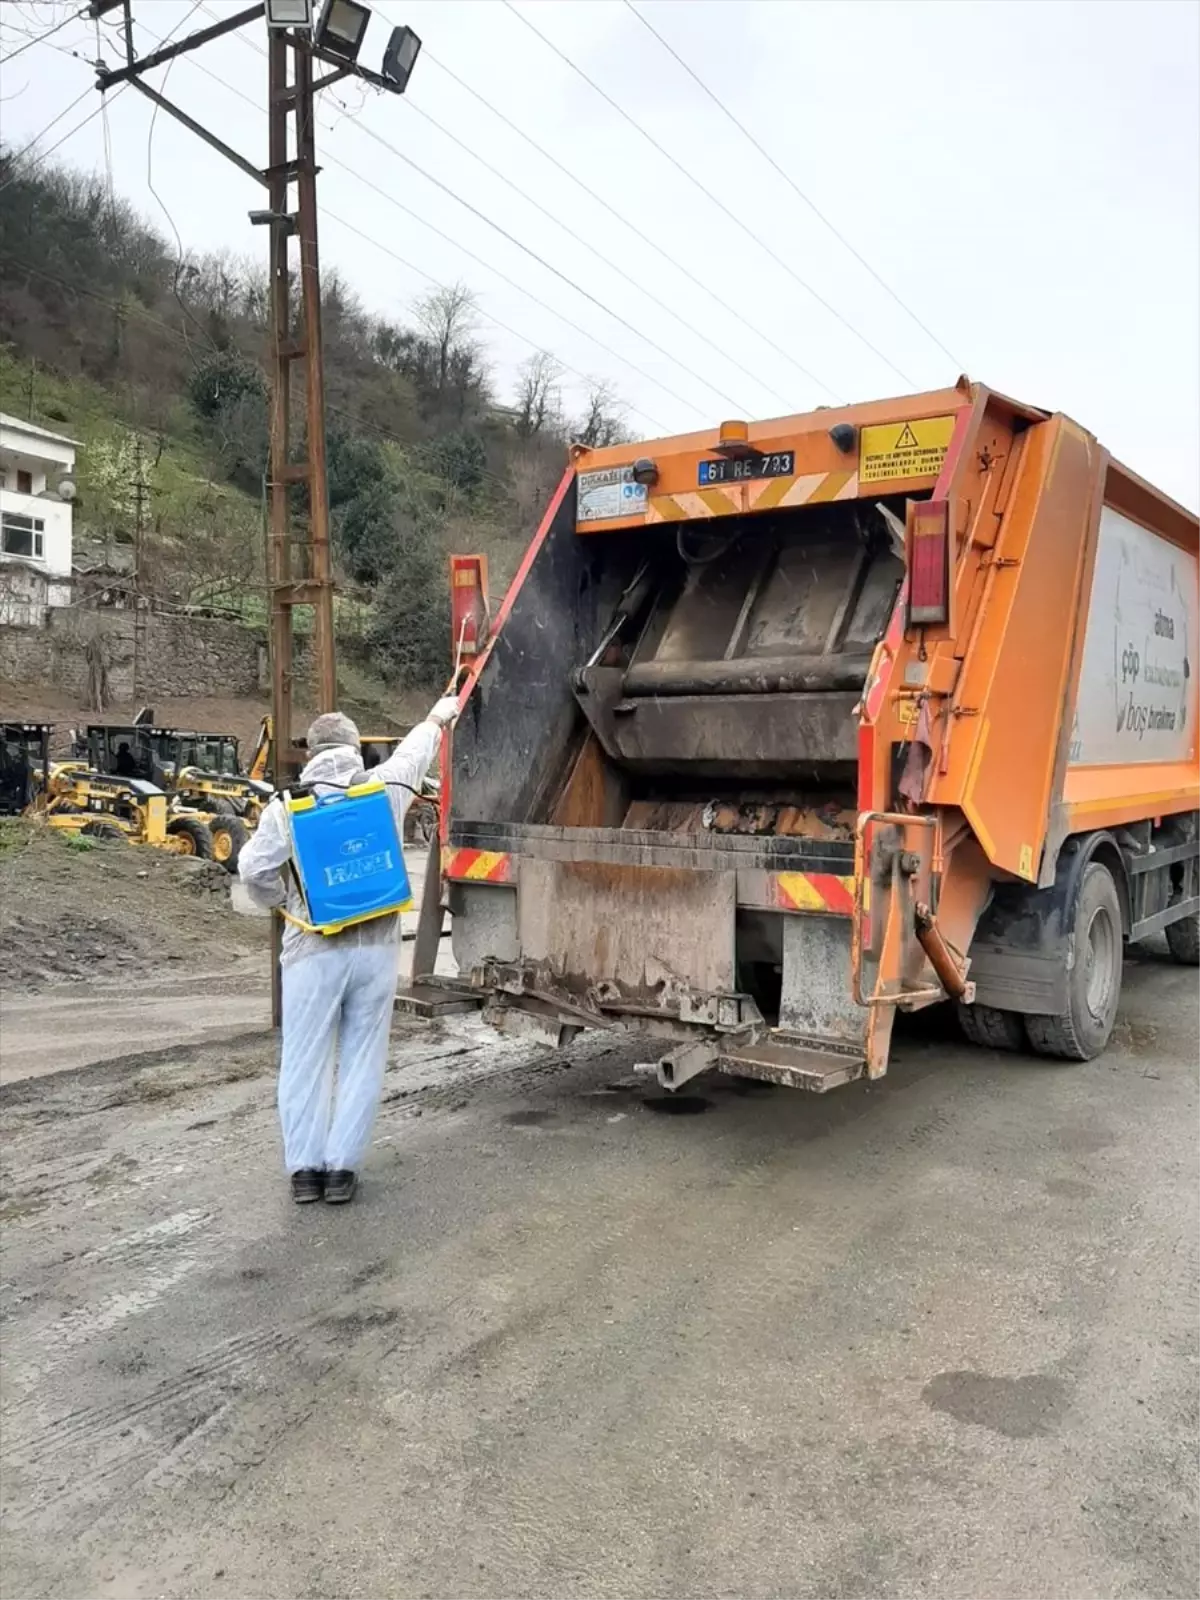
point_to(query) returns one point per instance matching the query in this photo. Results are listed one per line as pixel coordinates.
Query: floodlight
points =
(290, 14)
(400, 58)
(342, 28)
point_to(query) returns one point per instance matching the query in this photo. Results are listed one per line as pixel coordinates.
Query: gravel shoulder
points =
(932, 1337)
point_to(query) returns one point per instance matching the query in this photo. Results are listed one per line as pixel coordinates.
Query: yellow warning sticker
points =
(1025, 863)
(904, 449)
(907, 712)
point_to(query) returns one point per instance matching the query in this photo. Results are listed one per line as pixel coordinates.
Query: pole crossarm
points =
(106, 77)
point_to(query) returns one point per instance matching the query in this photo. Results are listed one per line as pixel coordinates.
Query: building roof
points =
(34, 430)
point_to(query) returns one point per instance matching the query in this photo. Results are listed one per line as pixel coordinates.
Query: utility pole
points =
(139, 615)
(299, 571)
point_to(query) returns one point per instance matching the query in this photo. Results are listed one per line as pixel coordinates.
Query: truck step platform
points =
(432, 1000)
(795, 1064)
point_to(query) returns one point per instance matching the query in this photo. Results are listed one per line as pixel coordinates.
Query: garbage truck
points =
(786, 727)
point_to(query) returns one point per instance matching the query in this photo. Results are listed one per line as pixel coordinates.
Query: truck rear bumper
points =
(650, 932)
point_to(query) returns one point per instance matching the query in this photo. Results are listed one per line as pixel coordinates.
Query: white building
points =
(35, 519)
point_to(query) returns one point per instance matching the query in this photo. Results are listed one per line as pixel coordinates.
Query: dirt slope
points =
(72, 914)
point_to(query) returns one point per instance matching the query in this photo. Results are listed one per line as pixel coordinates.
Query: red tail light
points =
(928, 563)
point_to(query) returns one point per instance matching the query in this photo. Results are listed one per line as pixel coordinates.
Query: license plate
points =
(736, 469)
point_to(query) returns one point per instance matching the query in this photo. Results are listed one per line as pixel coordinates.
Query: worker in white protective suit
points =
(338, 989)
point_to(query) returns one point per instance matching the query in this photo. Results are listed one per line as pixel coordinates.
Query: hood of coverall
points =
(338, 766)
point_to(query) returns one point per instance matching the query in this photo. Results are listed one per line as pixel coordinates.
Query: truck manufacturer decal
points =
(904, 449)
(1137, 685)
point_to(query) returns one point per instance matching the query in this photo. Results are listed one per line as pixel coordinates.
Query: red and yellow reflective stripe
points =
(760, 494)
(814, 891)
(478, 866)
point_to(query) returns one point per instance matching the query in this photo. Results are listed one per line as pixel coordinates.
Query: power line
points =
(730, 310)
(41, 37)
(707, 192)
(162, 204)
(790, 181)
(534, 344)
(599, 254)
(18, 161)
(53, 123)
(332, 216)
(549, 267)
(533, 254)
(512, 283)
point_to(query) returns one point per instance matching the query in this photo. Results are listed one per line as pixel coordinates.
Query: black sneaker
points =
(340, 1187)
(307, 1185)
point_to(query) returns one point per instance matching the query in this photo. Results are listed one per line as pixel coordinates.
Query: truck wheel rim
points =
(222, 846)
(186, 845)
(1098, 969)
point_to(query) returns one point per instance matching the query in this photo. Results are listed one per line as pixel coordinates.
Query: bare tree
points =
(449, 317)
(538, 398)
(530, 482)
(603, 420)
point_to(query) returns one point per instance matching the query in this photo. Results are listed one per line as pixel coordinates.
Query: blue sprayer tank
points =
(347, 856)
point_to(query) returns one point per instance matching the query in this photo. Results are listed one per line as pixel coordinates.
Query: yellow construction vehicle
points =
(71, 798)
(198, 772)
(100, 805)
(24, 761)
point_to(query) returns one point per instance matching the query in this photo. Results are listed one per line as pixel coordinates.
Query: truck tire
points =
(1094, 981)
(195, 837)
(229, 834)
(991, 1028)
(1183, 940)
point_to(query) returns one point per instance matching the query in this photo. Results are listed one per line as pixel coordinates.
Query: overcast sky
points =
(1025, 176)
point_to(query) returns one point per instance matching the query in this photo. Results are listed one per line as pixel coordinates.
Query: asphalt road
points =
(936, 1337)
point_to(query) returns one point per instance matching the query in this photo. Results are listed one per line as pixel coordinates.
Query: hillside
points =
(153, 361)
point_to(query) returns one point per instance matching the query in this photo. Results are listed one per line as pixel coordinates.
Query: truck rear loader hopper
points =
(785, 727)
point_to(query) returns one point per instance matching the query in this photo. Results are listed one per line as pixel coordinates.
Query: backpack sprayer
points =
(347, 856)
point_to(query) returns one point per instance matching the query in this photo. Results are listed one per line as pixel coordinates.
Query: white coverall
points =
(338, 989)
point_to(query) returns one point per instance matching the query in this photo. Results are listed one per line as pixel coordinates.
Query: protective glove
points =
(445, 712)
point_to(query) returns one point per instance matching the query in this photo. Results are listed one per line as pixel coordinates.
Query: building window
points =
(22, 536)
(24, 482)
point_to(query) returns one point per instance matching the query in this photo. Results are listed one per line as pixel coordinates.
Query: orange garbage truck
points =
(784, 727)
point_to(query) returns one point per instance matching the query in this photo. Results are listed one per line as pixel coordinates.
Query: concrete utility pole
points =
(299, 570)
